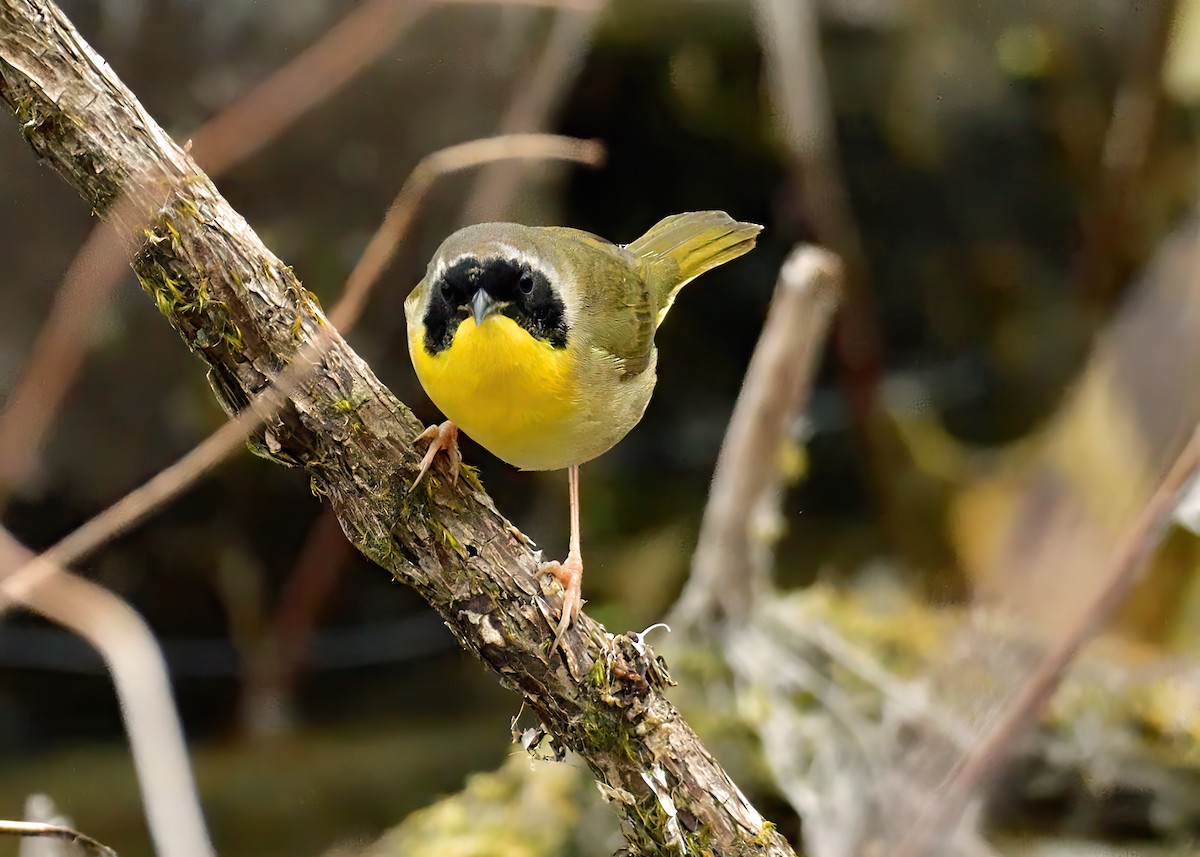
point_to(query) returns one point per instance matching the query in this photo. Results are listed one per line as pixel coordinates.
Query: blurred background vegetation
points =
(970, 141)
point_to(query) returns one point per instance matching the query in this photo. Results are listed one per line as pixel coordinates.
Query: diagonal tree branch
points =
(244, 312)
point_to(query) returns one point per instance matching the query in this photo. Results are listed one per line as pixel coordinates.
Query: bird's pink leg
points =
(569, 573)
(443, 438)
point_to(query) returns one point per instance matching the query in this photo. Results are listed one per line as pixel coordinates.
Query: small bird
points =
(538, 342)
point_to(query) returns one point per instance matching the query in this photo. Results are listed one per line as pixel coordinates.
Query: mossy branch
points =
(245, 313)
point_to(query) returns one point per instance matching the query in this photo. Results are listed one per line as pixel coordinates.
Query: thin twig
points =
(59, 350)
(139, 674)
(730, 567)
(799, 88)
(271, 107)
(38, 828)
(323, 554)
(984, 759)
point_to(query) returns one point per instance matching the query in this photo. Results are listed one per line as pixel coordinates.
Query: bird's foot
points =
(570, 575)
(442, 438)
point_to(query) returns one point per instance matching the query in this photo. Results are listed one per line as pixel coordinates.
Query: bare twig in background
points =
(169, 483)
(248, 125)
(596, 694)
(536, 97)
(1127, 142)
(40, 808)
(323, 554)
(731, 566)
(984, 759)
(228, 139)
(799, 87)
(59, 350)
(139, 674)
(38, 828)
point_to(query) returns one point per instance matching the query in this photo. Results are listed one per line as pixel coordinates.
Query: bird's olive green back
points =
(625, 292)
(612, 302)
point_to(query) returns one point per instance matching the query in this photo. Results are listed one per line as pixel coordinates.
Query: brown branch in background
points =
(58, 353)
(139, 674)
(225, 141)
(169, 483)
(799, 88)
(731, 566)
(598, 695)
(1136, 105)
(323, 555)
(536, 97)
(55, 831)
(270, 108)
(984, 759)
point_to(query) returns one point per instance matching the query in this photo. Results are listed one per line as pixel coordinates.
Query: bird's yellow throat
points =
(504, 388)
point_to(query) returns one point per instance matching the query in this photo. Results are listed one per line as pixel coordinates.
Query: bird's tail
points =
(681, 247)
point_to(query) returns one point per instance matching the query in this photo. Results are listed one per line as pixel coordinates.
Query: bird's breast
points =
(515, 395)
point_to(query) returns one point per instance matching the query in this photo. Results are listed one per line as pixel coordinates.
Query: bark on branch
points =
(245, 313)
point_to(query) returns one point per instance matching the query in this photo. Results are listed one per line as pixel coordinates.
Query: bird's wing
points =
(615, 311)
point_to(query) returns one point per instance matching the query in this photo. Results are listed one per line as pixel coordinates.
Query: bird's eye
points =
(526, 283)
(446, 289)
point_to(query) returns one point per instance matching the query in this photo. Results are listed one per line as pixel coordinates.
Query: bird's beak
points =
(482, 306)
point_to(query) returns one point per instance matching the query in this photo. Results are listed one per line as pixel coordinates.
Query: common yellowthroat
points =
(538, 342)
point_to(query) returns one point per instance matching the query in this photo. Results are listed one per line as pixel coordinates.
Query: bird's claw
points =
(442, 438)
(570, 575)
